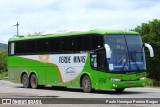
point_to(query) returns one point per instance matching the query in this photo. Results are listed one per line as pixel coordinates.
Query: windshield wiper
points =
(135, 63)
(122, 69)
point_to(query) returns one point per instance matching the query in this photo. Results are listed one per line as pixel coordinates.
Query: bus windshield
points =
(127, 53)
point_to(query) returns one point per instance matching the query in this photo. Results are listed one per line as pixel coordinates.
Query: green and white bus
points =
(95, 59)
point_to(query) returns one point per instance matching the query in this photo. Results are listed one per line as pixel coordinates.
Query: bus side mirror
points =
(108, 51)
(150, 49)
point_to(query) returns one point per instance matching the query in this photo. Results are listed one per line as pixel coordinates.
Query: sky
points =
(48, 16)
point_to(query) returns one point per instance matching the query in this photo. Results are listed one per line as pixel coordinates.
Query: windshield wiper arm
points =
(135, 63)
(122, 69)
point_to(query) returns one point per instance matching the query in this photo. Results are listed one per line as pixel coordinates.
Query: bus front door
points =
(98, 62)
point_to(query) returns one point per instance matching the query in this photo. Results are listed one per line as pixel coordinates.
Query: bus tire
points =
(86, 84)
(34, 81)
(25, 81)
(119, 90)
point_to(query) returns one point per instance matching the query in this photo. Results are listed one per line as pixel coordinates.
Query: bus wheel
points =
(34, 81)
(119, 90)
(25, 81)
(86, 84)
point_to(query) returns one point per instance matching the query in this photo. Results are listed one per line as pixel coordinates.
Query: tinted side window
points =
(101, 60)
(20, 47)
(96, 42)
(25, 47)
(31, 46)
(42, 45)
(54, 45)
(83, 43)
(98, 60)
(67, 44)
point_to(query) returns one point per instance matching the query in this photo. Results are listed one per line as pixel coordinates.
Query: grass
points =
(3, 75)
(152, 83)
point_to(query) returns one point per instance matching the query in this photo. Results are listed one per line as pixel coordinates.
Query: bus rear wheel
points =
(119, 90)
(25, 81)
(34, 81)
(86, 84)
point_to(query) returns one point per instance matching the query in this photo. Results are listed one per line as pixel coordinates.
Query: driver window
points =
(101, 59)
(98, 60)
(94, 60)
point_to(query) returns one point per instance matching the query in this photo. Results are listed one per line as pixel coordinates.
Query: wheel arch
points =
(23, 72)
(32, 72)
(81, 77)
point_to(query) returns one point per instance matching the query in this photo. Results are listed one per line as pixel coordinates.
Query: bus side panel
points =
(51, 72)
(87, 70)
(52, 75)
(17, 65)
(13, 69)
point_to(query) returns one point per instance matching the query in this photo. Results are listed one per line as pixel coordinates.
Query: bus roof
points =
(72, 33)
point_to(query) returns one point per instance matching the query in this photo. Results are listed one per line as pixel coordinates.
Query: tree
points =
(150, 33)
(3, 61)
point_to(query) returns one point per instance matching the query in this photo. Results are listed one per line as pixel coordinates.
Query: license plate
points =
(130, 84)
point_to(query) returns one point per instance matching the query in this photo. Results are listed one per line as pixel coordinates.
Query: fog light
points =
(143, 78)
(114, 85)
(115, 79)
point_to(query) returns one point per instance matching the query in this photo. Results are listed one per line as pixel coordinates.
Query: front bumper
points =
(126, 84)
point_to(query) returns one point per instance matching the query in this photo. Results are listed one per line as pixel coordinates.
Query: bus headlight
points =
(115, 79)
(143, 78)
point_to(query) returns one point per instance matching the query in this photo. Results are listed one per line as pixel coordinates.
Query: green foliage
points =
(152, 83)
(3, 61)
(3, 74)
(149, 83)
(150, 33)
(2, 50)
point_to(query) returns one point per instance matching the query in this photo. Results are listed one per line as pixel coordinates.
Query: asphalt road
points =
(12, 90)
